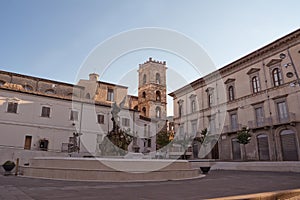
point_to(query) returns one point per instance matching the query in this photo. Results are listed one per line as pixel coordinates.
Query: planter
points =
(205, 170)
(8, 166)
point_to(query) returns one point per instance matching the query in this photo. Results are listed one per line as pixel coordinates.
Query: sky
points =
(53, 39)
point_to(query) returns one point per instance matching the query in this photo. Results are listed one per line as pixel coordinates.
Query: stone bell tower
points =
(152, 99)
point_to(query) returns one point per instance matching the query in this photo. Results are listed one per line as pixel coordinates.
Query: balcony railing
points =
(232, 128)
(259, 123)
(266, 122)
(290, 118)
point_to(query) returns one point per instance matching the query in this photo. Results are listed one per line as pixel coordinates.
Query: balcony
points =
(288, 119)
(260, 123)
(232, 128)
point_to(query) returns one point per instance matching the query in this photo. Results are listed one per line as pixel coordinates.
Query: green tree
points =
(162, 139)
(244, 137)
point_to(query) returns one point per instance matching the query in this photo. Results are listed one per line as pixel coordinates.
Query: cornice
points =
(278, 45)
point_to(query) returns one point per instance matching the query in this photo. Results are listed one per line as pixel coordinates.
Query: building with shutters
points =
(261, 91)
(45, 117)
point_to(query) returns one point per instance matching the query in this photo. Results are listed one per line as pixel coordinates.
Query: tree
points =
(162, 139)
(244, 138)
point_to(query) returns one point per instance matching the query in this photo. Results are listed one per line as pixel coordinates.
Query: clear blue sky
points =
(52, 38)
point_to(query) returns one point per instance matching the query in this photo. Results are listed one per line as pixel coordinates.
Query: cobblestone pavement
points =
(215, 184)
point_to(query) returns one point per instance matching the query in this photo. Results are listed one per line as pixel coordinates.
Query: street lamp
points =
(289, 74)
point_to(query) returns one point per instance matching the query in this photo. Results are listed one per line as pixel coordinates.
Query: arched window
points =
(158, 112)
(158, 96)
(193, 106)
(144, 79)
(50, 91)
(28, 87)
(157, 78)
(231, 93)
(277, 78)
(2, 83)
(144, 111)
(88, 96)
(255, 84)
(144, 94)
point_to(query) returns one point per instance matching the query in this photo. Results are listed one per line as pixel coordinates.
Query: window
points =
(181, 131)
(158, 95)
(125, 121)
(234, 121)
(144, 79)
(149, 142)
(100, 119)
(210, 99)
(158, 112)
(230, 85)
(259, 116)
(110, 94)
(157, 78)
(210, 96)
(180, 107)
(193, 106)
(231, 93)
(2, 83)
(74, 115)
(50, 91)
(45, 111)
(212, 124)
(144, 94)
(136, 108)
(282, 111)
(28, 87)
(194, 127)
(144, 111)
(277, 78)
(12, 107)
(255, 84)
(88, 96)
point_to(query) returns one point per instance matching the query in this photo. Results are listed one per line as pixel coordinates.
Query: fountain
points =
(130, 168)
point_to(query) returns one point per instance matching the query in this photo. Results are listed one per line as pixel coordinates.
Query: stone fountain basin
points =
(109, 169)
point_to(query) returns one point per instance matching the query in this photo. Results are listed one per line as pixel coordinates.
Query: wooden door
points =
(28, 140)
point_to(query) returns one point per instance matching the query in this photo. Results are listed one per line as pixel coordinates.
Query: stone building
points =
(260, 91)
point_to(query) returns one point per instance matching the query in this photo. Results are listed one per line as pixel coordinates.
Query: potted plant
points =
(8, 166)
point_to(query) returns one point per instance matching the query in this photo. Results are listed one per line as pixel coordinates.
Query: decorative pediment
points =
(209, 89)
(253, 70)
(180, 102)
(273, 62)
(192, 96)
(229, 80)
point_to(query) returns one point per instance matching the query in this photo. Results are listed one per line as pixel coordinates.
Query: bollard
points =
(17, 167)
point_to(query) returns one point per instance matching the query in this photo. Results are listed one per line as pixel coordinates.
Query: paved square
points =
(215, 184)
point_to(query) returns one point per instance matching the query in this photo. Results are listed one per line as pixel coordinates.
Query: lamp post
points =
(283, 56)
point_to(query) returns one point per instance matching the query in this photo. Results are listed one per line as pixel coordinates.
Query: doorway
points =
(28, 140)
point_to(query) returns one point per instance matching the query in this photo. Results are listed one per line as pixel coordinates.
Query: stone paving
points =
(215, 184)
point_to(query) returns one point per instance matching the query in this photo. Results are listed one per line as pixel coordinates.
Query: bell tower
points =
(152, 99)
